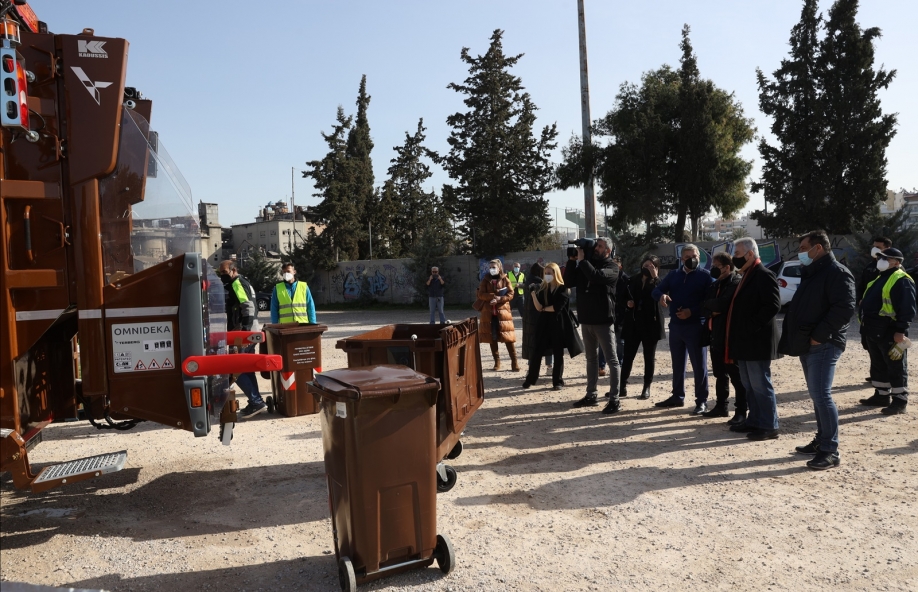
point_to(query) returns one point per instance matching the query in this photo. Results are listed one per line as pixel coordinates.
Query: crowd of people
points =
(729, 312)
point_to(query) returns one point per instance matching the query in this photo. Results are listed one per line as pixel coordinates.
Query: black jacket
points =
(752, 333)
(646, 320)
(555, 330)
(821, 308)
(902, 296)
(531, 320)
(869, 274)
(717, 299)
(621, 299)
(595, 282)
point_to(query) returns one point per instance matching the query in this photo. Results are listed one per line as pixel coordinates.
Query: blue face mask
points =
(805, 258)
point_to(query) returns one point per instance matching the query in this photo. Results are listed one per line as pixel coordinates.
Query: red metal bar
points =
(231, 364)
(237, 338)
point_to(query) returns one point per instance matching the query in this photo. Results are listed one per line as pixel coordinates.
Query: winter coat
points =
(555, 329)
(487, 290)
(531, 320)
(869, 274)
(902, 296)
(644, 321)
(621, 300)
(686, 291)
(717, 299)
(821, 308)
(752, 333)
(595, 282)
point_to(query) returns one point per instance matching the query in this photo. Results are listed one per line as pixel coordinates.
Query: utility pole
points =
(589, 195)
(370, 229)
(292, 203)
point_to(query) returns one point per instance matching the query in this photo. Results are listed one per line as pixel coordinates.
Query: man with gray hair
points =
(683, 291)
(752, 338)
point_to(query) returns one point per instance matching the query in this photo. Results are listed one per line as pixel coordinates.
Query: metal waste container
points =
(300, 346)
(449, 353)
(378, 436)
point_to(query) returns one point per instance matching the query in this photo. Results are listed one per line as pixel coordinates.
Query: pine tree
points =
(359, 146)
(500, 168)
(260, 272)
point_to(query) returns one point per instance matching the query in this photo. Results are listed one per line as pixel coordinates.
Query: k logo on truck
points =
(91, 49)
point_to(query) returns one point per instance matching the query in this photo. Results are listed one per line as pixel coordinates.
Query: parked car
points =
(263, 300)
(788, 279)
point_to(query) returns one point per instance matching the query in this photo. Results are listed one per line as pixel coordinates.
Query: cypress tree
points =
(359, 146)
(500, 167)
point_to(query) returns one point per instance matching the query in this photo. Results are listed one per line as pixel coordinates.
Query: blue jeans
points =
(684, 345)
(819, 371)
(760, 394)
(436, 305)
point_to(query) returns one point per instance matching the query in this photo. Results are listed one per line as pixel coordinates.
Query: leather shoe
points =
(742, 428)
(645, 394)
(718, 410)
(587, 401)
(671, 402)
(700, 409)
(759, 435)
(612, 407)
(738, 418)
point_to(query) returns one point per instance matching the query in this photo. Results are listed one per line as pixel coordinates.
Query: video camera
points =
(587, 244)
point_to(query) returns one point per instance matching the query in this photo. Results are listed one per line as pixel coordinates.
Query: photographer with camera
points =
(594, 274)
(435, 285)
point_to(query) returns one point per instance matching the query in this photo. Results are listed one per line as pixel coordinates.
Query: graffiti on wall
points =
(380, 281)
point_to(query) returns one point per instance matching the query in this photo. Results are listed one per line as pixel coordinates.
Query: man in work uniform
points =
(240, 316)
(291, 301)
(517, 282)
(886, 309)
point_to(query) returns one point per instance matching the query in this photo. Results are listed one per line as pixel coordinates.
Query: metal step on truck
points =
(108, 312)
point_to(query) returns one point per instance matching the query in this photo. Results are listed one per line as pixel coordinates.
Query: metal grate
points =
(103, 463)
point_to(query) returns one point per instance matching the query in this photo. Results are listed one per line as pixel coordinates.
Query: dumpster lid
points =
(294, 328)
(373, 381)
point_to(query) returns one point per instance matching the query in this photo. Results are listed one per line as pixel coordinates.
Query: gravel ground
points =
(548, 498)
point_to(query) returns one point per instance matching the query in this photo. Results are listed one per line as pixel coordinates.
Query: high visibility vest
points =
(240, 292)
(517, 281)
(291, 311)
(887, 310)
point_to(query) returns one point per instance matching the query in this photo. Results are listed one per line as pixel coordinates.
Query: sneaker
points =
(699, 409)
(671, 402)
(810, 449)
(824, 460)
(896, 407)
(557, 387)
(759, 435)
(877, 400)
(252, 410)
(612, 407)
(588, 401)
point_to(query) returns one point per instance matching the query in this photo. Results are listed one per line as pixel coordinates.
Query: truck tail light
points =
(14, 95)
(197, 398)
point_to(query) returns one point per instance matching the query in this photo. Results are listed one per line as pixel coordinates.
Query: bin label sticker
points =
(304, 355)
(142, 347)
(288, 380)
(341, 410)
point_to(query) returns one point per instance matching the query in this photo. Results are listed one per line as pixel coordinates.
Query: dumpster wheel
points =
(444, 554)
(346, 576)
(456, 451)
(269, 401)
(445, 485)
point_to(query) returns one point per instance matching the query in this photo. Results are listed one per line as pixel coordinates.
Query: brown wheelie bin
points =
(300, 345)
(449, 353)
(378, 436)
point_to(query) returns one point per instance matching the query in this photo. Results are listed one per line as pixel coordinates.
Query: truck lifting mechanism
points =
(108, 311)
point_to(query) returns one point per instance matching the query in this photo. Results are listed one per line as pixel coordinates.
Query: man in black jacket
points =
(752, 338)
(869, 274)
(716, 302)
(595, 275)
(815, 328)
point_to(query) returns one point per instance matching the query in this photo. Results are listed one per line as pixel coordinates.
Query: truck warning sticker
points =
(143, 347)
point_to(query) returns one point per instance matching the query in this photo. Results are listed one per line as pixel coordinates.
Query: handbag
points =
(478, 304)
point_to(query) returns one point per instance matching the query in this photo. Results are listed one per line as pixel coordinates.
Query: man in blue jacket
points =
(682, 291)
(291, 300)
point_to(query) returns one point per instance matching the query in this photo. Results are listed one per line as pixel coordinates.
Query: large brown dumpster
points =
(449, 353)
(378, 435)
(300, 345)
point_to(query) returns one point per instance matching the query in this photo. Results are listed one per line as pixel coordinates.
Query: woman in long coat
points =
(644, 318)
(555, 330)
(531, 318)
(496, 326)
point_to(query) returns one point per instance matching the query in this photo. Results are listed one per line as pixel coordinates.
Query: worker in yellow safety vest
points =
(887, 307)
(517, 283)
(291, 301)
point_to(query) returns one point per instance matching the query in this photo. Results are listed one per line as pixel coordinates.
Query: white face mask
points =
(875, 251)
(882, 265)
(494, 271)
(549, 278)
(288, 277)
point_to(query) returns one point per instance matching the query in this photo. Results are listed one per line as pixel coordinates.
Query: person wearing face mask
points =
(531, 318)
(815, 329)
(240, 316)
(496, 324)
(517, 284)
(886, 310)
(752, 338)
(642, 323)
(869, 274)
(291, 300)
(716, 303)
(435, 285)
(555, 329)
(682, 292)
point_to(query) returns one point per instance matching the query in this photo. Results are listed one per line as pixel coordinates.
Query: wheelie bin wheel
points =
(444, 554)
(269, 401)
(444, 486)
(346, 576)
(456, 451)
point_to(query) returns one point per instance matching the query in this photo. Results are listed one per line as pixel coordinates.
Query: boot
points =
(895, 407)
(877, 400)
(739, 417)
(496, 361)
(718, 410)
(645, 394)
(514, 362)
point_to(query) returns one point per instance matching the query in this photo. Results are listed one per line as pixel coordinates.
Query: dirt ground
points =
(548, 498)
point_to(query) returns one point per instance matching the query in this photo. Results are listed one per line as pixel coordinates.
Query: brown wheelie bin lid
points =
(354, 384)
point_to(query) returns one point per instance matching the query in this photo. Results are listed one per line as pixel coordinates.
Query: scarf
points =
(730, 310)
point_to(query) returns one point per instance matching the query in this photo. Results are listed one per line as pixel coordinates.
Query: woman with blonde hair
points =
(555, 330)
(496, 326)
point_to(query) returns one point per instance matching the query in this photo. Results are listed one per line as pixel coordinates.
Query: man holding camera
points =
(435, 285)
(594, 274)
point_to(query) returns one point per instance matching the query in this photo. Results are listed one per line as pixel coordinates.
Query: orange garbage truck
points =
(108, 311)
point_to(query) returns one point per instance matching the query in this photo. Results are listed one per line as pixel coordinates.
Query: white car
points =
(788, 279)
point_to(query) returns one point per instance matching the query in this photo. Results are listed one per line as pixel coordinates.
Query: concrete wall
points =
(388, 280)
